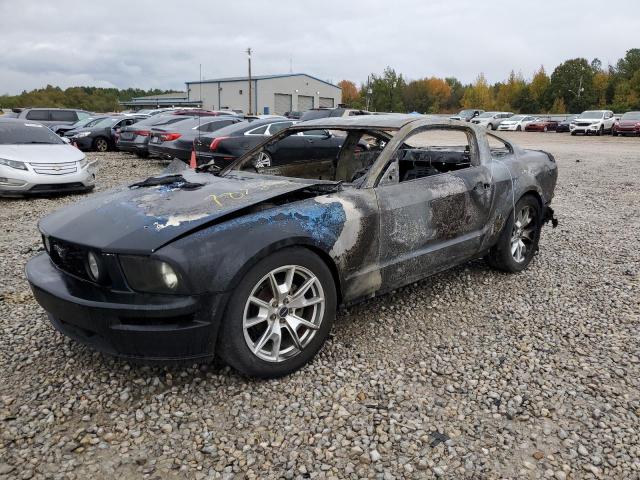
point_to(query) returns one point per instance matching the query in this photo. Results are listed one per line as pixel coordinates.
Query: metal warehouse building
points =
(271, 94)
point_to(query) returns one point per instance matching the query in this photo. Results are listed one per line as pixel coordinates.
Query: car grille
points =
(583, 124)
(68, 257)
(50, 187)
(64, 168)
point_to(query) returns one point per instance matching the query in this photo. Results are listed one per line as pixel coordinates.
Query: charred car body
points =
(249, 263)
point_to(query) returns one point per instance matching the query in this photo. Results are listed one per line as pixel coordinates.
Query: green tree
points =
(540, 90)
(629, 64)
(386, 92)
(572, 81)
(457, 91)
(478, 95)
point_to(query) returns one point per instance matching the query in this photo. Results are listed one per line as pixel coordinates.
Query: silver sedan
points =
(34, 160)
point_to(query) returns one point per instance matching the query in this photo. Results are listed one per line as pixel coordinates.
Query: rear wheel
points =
(101, 144)
(280, 314)
(518, 241)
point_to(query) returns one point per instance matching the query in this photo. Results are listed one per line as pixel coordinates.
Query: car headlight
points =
(83, 163)
(149, 275)
(94, 266)
(82, 134)
(13, 164)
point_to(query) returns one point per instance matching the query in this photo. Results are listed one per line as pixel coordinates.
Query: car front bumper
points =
(153, 327)
(627, 130)
(509, 128)
(83, 143)
(584, 128)
(19, 182)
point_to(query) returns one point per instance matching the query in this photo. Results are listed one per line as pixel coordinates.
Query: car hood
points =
(40, 153)
(628, 123)
(139, 220)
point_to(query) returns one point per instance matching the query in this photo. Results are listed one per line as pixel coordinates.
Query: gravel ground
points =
(469, 374)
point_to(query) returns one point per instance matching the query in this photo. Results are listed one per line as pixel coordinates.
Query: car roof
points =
(390, 121)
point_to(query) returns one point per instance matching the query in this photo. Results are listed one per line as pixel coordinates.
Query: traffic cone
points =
(192, 162)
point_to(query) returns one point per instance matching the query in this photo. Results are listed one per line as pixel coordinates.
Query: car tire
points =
(254, 313)
(142, 154)
(263, 160)
(518, 241)
(545, 129)
(573, 134)
(101, 144)
(614, 133)
(518, 128)
(600, 130)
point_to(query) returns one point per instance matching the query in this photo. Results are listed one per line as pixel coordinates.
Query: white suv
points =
(491, 119)
(593, 121)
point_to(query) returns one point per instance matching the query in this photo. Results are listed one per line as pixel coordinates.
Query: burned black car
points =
(249, 262)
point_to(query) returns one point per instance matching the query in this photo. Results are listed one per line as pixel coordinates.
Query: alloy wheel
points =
(283, 313)
(523, 234)
(101, 145)
(263, 160)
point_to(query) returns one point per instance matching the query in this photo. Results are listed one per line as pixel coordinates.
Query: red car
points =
(629, 124)
(542, 125)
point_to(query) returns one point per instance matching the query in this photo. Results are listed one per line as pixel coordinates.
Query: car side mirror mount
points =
(66, 140)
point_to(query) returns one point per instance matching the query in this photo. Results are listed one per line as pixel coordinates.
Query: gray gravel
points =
(470, 374)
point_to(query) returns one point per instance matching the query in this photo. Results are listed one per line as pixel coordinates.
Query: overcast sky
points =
(160, 43)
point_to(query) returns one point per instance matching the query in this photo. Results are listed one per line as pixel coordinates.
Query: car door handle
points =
(480, 186)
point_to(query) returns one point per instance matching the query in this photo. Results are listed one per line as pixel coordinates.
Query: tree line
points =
(574, 86)
(93, 99)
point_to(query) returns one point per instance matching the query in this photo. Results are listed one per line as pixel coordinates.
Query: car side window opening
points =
(498, 147)
(432, 151)
(38, 115)
(258, 131)
(277, 127)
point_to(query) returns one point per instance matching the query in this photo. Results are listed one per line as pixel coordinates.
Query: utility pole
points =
(250, 87)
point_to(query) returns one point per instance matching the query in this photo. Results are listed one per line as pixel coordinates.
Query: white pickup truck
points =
(593, 121)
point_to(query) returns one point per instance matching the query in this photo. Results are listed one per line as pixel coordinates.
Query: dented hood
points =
(143, 219)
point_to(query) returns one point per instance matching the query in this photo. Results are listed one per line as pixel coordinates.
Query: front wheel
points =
(279, 315)
(518, 241)
(545, 129)
(600, 130)
(101, 144)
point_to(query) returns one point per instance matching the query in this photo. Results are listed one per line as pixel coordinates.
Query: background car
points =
(563, 125)
(491, 119)
(629, 124)
(100, 134)
(467, 114)
(61, 129)
(134, 138)
(316, 113)
(542, 125)
(593, 121)
(34, 160)
(516, 123)
(175, 139)
(53, 116)
(229, 143)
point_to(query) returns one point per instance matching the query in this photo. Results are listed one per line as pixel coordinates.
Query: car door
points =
(321, 144)
(431, 222)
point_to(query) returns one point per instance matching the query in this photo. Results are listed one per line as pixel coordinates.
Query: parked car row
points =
(596, 122)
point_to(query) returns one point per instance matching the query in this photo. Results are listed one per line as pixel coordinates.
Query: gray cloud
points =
(160, 44)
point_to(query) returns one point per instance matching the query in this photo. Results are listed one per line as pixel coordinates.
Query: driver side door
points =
(431, 222)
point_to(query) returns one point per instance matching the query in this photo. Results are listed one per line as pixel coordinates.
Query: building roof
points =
(259, 77)
(174, 98)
